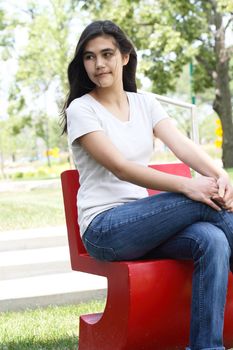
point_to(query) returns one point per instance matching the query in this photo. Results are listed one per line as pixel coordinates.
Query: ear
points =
(125, 59)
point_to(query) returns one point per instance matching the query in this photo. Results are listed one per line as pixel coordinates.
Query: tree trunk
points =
(222, 103)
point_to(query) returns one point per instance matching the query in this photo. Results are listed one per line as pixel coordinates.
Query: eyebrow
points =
(102, 51)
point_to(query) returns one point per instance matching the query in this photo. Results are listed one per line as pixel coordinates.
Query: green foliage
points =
(46, 51)
(225, 6)
(42, 62)
(6, 40)
(169, 36)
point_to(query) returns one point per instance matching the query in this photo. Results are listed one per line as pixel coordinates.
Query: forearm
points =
(151, 178)
(187, 151)
(200, 160)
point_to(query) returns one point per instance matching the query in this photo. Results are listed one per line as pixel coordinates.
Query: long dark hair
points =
(79, 81)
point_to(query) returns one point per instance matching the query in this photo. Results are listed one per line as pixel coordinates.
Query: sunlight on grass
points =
(52, 328)
(30, 209)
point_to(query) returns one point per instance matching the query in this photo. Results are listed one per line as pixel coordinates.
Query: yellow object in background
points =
(53, 152)
(218, 143)
(219, 133)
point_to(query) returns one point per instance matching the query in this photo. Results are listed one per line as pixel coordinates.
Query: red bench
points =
(148, 302)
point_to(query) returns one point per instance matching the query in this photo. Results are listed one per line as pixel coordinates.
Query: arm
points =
(186, 150)
(196, 158)
(98, 145)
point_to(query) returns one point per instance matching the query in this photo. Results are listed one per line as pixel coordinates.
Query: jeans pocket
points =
(100, 253)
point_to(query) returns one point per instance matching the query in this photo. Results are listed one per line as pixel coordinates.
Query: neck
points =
(109, 95)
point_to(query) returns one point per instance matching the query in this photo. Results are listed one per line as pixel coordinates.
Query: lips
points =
(102, 74)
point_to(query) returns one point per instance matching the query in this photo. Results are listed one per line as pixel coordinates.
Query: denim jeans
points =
(170, 225)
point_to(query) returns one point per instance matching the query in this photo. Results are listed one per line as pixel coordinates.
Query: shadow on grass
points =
(69, 343)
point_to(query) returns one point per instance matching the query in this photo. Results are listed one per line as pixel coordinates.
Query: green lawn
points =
(28, 209)
(52, 328)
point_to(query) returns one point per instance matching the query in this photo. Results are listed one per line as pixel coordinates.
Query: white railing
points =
(191, 107)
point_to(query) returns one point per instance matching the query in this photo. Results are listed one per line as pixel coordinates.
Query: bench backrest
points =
(70, 186)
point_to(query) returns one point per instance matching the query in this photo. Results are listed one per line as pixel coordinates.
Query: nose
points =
(99, 62)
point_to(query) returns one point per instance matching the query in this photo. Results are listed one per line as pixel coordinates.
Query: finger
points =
(228, 195)
(229, 205)
(221, 190)
(218, 199)
(212, 204)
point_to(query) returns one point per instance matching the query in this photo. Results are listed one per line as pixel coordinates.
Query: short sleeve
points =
(157, 111)
(81, 120)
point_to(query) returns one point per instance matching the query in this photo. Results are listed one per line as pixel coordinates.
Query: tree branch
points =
(228, 23)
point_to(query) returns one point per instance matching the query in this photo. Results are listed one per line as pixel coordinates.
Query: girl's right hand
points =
(203, 189)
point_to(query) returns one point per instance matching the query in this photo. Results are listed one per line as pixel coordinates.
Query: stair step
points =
(50, 289)
(35, 271)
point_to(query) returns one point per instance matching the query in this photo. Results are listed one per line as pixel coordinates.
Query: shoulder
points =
(83, 102)
(143, 97)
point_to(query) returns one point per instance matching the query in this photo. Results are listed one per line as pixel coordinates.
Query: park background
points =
(185, 51)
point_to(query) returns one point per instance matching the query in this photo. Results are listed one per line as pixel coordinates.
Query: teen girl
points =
(111, 129)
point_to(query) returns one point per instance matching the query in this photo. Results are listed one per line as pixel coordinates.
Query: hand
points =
(203, 189)
(225, 193)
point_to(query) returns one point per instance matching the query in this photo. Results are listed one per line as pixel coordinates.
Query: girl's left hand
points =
(225, 193)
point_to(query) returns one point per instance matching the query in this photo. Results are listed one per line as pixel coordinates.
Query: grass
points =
(30, 209)
(52, 328)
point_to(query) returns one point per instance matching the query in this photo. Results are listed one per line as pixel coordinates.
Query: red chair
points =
(148, 302)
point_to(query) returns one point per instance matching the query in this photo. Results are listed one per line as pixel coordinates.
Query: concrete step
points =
(33, 238)
(58, 289)
(35, 271)
(32, 269)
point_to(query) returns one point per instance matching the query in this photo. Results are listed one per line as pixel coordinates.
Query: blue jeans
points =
(170, 225)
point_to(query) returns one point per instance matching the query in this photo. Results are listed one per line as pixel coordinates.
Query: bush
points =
(18, 175)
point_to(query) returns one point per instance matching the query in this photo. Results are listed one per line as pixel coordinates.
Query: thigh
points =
(131, 230)
(191, 243)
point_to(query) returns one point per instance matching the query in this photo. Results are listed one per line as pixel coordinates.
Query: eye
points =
(88, 57)
(108, 54)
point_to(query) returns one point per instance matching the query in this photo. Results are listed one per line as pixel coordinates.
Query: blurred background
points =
(185, 51)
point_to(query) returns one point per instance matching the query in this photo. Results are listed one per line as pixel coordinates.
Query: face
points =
(104, 62)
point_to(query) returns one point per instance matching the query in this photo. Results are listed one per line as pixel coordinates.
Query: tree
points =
(174, 34)
(42, 64)
(6, 43)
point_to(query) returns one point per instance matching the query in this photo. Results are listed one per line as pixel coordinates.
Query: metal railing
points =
(191, 107)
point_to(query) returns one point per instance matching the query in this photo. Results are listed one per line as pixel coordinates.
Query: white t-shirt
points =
(99, 188)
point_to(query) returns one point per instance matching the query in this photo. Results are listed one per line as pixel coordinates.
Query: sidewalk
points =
(35, 271)
(28, 185)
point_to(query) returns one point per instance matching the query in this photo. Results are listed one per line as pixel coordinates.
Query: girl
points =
(111, 128)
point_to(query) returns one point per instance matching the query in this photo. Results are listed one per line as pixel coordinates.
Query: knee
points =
(212, 241)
